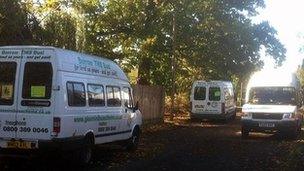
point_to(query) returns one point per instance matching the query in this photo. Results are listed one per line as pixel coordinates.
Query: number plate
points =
(20, 144)
(266, 124)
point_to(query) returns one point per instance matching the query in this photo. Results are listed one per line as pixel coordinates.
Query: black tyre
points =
(132, 143)
(294, 134)
(233, 115)
(84, 154)
(193, 119)
(4, 163)
(245, 132)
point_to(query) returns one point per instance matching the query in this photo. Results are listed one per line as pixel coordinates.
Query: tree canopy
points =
(214, 39)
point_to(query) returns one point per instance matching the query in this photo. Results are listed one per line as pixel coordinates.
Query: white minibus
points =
(212, 100)
(55, 99)
(273, 103)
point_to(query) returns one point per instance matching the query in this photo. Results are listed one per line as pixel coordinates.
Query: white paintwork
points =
(247, 108)
(276, 78)
(75, 121)
(261, 79)
(214, 107)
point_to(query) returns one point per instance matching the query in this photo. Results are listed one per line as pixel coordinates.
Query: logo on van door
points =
(214, 104)
(199, 106)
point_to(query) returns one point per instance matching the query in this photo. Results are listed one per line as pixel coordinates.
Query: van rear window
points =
(214, 94)
(200, 93)
(37, 80)
(7, 82)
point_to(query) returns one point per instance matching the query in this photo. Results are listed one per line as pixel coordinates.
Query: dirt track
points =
(183, 145)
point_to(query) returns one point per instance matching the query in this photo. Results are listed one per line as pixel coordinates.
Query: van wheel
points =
(233, 115)
(245, 132)
(300, 126)
(4, 163)
(193, 120)
(294, 134)
(132, 143)
(84, 154)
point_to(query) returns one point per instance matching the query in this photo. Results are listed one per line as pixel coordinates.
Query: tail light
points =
(56, 125)
(223, 108)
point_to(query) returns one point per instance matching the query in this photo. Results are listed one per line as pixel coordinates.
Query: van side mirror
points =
(136, 107)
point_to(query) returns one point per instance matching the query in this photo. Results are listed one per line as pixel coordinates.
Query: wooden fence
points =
(151, 100)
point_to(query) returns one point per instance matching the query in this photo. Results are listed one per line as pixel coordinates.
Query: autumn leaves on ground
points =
(185, 145)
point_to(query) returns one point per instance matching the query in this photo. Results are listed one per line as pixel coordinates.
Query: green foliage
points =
(60, 30)
(215, 39)
(300, 75)
(17, 25)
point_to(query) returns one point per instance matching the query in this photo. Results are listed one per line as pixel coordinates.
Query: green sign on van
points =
(38, 91)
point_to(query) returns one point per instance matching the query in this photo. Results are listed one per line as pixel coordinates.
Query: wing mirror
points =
(136, 107)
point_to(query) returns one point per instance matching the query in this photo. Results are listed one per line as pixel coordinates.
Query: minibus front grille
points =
(274, 116)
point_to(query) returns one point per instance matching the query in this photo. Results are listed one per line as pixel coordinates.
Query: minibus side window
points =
(214, 94)
(96, 95)
(113, 96)
(7, 82)
(200, 93)
(76, 94)
(37, 80)
(127, 97)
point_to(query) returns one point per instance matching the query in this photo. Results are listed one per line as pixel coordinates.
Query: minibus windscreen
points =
(37, 80)
(7, 82)
(272, 95)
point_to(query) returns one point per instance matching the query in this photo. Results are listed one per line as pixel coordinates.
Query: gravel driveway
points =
(184, 145)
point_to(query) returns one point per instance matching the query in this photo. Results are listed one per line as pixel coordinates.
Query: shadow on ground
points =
(186, 145)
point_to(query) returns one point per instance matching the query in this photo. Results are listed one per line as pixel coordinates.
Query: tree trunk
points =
(144, 71)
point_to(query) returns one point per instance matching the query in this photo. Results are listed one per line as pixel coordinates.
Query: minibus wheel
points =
(234, 115)
(132, 143)
(84, 154)
(245, 132)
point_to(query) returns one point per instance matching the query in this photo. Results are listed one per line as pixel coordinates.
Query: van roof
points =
(69, 60)
(274, 78)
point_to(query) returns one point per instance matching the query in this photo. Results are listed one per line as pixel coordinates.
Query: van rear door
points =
(199, 99)
(10, 60)
(214, 105)
(36, 99)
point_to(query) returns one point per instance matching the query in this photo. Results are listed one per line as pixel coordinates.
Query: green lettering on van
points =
(29, 111)
(94, 118)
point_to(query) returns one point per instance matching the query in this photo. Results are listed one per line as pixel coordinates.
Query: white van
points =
(58, 99)
(212, 100)
(273, 103)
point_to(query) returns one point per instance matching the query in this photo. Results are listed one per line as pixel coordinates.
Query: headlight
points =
(247, 115)
(288, 115)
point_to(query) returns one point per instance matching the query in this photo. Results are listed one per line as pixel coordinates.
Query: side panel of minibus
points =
(77, 121)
